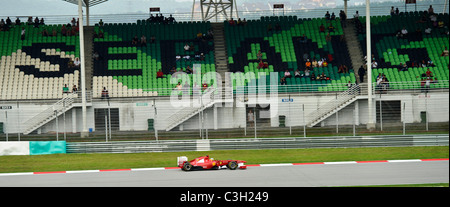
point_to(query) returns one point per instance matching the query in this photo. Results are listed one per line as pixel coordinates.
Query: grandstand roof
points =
(89, 2)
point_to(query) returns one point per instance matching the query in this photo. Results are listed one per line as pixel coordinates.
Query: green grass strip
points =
(68, 162)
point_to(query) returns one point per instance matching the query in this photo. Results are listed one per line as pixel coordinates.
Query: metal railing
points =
(250, 144)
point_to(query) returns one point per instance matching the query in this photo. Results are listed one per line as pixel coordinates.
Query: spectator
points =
(159, 74)
(74, 89)
(429, 73)
(259, 55)
(327, 16)
(307, 72)
(105, 93)
(343, 18)
(308, 64)
(231, 22)
(36, 22)
(22, 34)
(204, 86)
(143, 41)
(63, 30)
(135, 40)
(333, 16)
(314, 63)
(65, 89)
(392, 11)
(321, 28)
(356, 16)
(445, 52)
(430, 10)
(427, 84)
(178, 86)
(361, 73)
(283, 81)
(76, 63)
(287, 74)
(17, 21)
(186, 47)
(297, 73)
(100, 23)
(303, 39)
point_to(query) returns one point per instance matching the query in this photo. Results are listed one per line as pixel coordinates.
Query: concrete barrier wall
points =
(32, 148)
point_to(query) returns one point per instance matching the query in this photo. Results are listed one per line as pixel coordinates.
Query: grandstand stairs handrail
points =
(65, 104)
(210, 97)
(341, 101)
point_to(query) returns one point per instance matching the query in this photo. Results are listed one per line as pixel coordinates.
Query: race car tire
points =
(232, 165)
(187, 166)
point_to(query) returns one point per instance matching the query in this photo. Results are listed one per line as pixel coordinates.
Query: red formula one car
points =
(205, 162)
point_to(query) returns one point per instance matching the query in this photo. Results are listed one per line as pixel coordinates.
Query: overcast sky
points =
(59, 7)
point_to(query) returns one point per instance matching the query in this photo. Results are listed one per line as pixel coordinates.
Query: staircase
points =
(88, 51)
(48, 115)
(220, 53)
(342, 100)
(354, 49)
(206, 100)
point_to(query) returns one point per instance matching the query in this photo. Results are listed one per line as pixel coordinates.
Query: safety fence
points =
(253, 144)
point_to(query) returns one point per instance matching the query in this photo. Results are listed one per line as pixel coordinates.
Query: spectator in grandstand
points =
(297, 73)
(178, 86)
(327, 16)
(260, 64)
(283, 81)
(343, 18)
(100, 23)
(45, 33)
(204, 86)
(76, 63)
(96, 56)
(320, 63)
(199, 35)
(430, 10)
(427, 84)
(374, 64)
(361, 73)
(328, 37)
(8, 22)
(259, 55)
(287, 74)
(403, 33)
(41, 22)
(159, 74)
(36, 22)
(17, 21)
(22, 33)
(30, 21)
(330, 28)
(188, 70)
(428, 31)
(445, 52)
(402, 67)
(325, 63)
(397, 12)
(307, 72)
(333, 16)
(143, 41)
(186, 47)
(231, 22)
(308, 64)
(356, 16)
(321, 28)
(305, 56)
(63, 30)
(314, 63)
(392, 11)
(170, 19)
(135, 40)
(303, 39)
(74, 89)
(105, 93)
(429, 73)
(65, 89)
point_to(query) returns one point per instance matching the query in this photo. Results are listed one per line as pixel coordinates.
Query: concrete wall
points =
(134, 114)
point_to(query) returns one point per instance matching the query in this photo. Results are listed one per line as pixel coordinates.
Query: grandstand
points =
(35, 68)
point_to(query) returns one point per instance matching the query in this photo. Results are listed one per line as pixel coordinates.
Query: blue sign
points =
(287, 100)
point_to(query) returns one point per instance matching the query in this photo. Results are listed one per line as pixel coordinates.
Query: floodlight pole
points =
(84, 132)
(370, 123)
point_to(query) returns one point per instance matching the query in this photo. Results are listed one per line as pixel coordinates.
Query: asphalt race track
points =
(339, 174)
